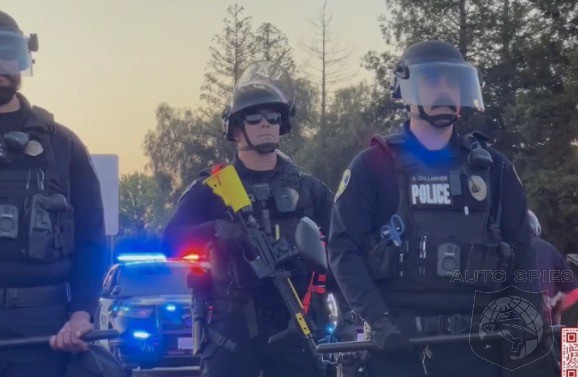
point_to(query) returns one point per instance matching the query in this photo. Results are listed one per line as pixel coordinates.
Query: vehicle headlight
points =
(135, 312)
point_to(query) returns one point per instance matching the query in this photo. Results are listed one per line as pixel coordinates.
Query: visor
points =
(15, 57)
(264, 80)
(436, 76)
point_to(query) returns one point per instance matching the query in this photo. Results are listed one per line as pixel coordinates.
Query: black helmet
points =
(15, 46)
(7, 22)
(262, 83)
(434, 58)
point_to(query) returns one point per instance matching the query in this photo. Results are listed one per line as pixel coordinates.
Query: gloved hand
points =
(389, 338)
(228, 231)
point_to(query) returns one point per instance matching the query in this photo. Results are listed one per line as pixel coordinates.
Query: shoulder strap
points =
(61, 158)
(60, 145)
(475, 137)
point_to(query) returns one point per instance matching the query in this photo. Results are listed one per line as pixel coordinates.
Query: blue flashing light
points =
(330, 328)
(142, 257)
(170, 308)
(141, 335)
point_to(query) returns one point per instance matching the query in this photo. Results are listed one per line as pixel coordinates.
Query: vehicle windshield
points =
(153, 279)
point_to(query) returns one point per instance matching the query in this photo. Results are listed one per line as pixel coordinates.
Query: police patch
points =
(343, 184)
(430, 190)
(478, 187)
(33, 148)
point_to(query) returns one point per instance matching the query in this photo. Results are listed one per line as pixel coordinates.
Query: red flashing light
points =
(192, 257)
(198, 270)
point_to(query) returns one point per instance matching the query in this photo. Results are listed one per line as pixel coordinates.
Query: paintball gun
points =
(268, 253)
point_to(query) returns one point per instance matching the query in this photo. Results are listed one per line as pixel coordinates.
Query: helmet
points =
(6, 21)
(262, 83)
(15, 47)
(433, 59)
(534, 224)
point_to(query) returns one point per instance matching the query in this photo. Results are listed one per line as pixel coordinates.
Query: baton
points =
(368, 345)
(43, 340)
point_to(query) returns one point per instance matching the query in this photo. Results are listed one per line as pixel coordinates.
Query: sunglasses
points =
(256, 118)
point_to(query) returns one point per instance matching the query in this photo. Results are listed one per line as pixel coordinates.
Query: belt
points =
(33, 296)
(443, 324)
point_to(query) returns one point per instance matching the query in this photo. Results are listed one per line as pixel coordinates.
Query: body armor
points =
(280, 198)
(36, 218)
(449, 241)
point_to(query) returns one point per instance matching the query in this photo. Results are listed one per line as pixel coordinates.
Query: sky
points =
(104, 66)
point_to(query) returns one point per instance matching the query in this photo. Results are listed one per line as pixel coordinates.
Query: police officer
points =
(424, 218)
(246, 312)
(51, 224)
(557, 282)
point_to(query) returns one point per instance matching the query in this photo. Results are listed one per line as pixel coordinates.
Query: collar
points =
(242, 170)
(449, 152)
(36, 118)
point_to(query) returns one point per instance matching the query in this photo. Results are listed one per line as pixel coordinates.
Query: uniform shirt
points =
(556, 274)
(85, 269)
(370, 196)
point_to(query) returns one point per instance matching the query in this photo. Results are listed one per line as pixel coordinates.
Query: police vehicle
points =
(146, 299)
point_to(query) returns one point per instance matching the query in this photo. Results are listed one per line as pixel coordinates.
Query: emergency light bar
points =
(141, 257)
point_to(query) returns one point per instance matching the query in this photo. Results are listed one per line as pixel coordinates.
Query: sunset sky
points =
(104, 66)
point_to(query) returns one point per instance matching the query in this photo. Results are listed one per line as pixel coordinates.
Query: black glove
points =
(389, 338)
(228, 231)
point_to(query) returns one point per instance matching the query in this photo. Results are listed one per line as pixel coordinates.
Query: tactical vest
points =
(288, 200)
(448, 243)
(36, 217)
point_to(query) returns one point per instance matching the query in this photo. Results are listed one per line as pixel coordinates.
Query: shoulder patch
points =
(343, 184)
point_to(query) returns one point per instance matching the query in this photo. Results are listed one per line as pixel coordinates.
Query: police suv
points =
(145, 298)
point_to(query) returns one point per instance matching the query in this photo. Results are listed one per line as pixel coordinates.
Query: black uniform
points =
(52, 257)
(446, 205)
(246, 312)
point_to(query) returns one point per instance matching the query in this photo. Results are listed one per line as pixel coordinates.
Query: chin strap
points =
(264, 148)
(440, 121)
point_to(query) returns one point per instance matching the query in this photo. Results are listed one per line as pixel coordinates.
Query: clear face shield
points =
(263, 82)
(15, 53)
(439, 85)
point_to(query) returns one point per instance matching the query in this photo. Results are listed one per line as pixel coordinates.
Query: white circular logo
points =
(478, 187)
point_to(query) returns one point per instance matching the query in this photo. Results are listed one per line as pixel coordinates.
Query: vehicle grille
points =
(180, 319)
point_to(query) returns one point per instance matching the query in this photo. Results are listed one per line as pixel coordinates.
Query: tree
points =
(183, 144)
(271, 44)
(350, 123)
(142, 207)
(329, 65)
(546, 118)
(233, 51)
